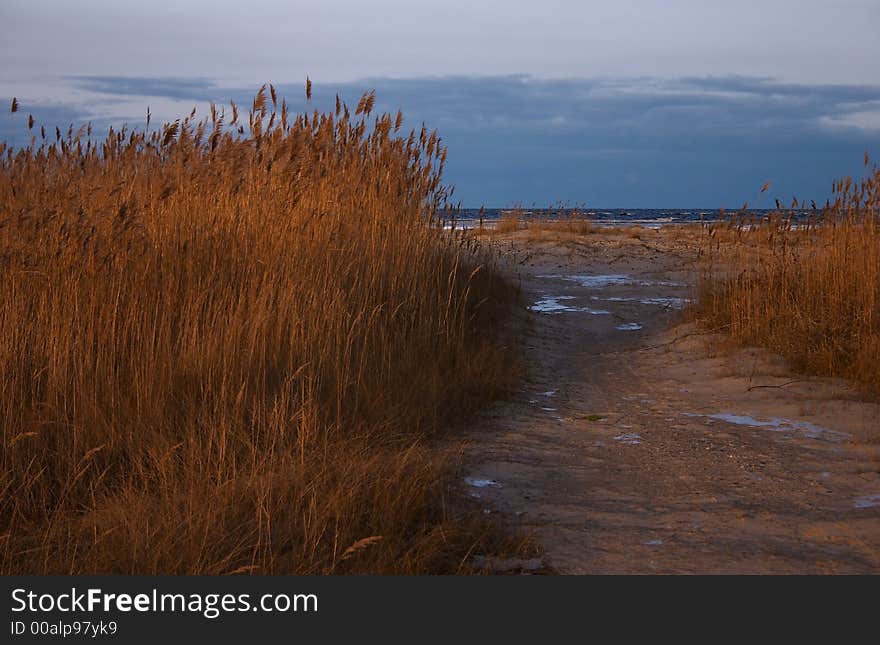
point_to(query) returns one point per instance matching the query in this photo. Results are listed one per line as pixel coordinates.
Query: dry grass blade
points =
(360, 545)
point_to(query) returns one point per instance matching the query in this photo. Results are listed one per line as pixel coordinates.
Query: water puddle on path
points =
(629, 327)
(555, 305)
(602, 281)
(778, 424)
(674, 303)
(549, 304)
(630, 438)
(594, 281)
(867, 501)
(476, 482)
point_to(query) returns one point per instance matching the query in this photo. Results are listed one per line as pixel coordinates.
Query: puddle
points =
(549, 393)
(674, 303)
(593, 281)
(610, 280)
(803, 428)
(549, 409)
(867, 501)
(629, 327)
(654, 543)
(630, 438)
(554, 305)
(480, 483)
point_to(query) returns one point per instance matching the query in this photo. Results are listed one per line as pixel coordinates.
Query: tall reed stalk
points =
(225, 345)
(808, 289)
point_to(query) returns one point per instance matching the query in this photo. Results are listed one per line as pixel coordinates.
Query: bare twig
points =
(786, 384)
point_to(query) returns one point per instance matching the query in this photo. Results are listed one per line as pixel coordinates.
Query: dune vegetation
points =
(229, 345)
(807, 289)
(550, 220)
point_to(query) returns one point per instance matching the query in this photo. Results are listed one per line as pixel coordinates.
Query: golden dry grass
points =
(508, 223)
(808, 291)
(226, 346)
(574, 222)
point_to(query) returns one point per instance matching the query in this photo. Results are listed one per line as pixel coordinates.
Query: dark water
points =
(650, 217)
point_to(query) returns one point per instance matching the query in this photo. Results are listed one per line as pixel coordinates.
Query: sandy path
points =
(639, 450)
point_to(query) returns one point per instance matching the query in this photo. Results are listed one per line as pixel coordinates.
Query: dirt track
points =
(652, 450)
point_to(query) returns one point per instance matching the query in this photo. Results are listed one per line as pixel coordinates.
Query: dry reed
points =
(573, 221)
(225, 347)
(809, 289)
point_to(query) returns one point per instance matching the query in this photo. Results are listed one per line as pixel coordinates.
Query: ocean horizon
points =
(648, 217)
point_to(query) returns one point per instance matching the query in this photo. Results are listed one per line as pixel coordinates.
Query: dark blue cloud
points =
(196, 89)
(648, 142)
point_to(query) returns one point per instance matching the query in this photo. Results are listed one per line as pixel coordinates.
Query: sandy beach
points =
(640, 443)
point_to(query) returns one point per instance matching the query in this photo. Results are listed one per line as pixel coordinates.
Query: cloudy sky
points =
(632, 103)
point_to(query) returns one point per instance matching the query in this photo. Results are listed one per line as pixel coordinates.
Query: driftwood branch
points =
(780, 386)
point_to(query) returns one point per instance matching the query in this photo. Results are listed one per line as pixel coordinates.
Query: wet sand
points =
(640, 444)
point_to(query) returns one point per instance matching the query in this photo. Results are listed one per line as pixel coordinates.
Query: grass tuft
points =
(808, 290)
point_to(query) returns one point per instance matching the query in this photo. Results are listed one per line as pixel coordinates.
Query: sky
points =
(632, 103)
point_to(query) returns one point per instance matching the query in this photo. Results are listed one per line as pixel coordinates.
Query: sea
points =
(647, 217)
